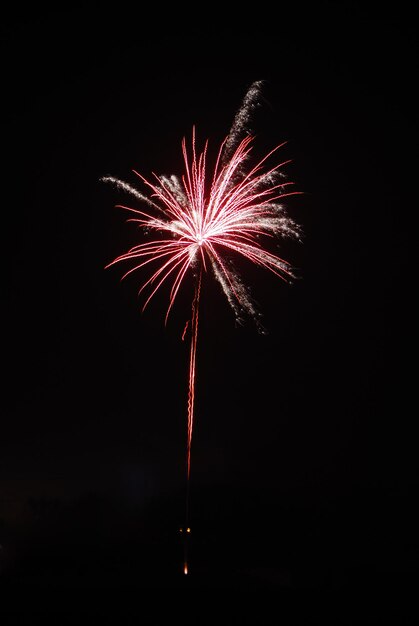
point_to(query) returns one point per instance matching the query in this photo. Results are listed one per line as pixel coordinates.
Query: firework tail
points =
(191, 408)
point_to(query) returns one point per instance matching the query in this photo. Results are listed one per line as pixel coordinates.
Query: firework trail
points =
(241, 120)
(202, 221)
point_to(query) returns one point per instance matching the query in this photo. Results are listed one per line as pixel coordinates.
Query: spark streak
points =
(202, 221)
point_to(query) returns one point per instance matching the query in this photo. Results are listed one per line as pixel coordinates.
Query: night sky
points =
(304, 454)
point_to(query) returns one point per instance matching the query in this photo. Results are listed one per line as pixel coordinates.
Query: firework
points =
(206, 218)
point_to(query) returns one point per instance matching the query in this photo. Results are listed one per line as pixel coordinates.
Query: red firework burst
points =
(204, 219)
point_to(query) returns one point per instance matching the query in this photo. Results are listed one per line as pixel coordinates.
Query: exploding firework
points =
(206, 218)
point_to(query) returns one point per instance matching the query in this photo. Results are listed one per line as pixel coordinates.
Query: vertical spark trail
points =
(192, 371)
(191, 408)
(205, 219)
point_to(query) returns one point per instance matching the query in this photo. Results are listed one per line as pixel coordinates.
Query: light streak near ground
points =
(205, 219)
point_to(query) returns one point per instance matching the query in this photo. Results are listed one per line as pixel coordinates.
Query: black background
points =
(304, 468)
